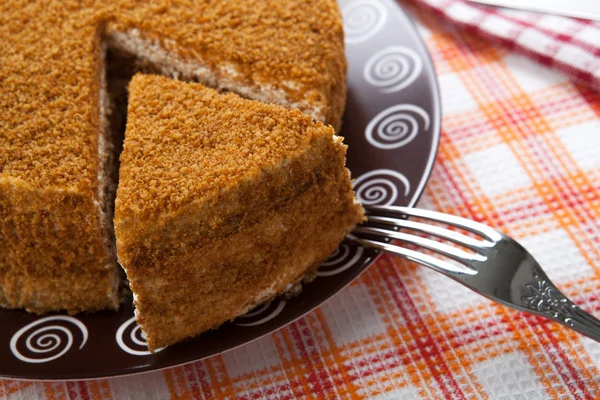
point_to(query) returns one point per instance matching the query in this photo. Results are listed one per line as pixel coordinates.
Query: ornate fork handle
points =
(543, 298)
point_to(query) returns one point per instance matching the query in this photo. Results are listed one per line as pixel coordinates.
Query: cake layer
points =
(52, 136)
(222, 204)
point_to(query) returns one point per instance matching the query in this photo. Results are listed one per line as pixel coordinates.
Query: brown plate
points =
(392, 128)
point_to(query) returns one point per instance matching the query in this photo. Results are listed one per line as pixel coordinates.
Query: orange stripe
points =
(48, 391)
(222, 384)
(349, 386)
(177, 384)
(8, 387)
(285, 352)
(416, 371)
(105, 388)
(94, 390)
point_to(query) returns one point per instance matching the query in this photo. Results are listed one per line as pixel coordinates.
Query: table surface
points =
(520, 151)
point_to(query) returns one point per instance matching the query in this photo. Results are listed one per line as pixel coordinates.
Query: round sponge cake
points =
(56, 149)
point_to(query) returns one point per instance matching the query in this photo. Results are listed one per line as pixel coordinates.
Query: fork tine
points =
(441, 248)
(424, 259)
(440, 232)
(471, 226)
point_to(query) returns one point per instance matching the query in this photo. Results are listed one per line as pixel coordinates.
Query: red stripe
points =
(204, 379)
(72, 391)
(428, 346)
(394, 357)
(83, 391)
(571, 379)
(192, 380)
(585, 76)
(569, 38)
(591, 97)
(554, 103)
(515, 213)
(307, 353)
(368, 365)
(469, 129)
(473, 333)
(276, 392)
(450, 178)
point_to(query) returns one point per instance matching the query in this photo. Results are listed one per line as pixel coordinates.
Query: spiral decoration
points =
(131, 339)
(396, 126)
(363, 19)
(46, 339)
(393, 68)
(262, 314)
(341, 259)
(380, 187)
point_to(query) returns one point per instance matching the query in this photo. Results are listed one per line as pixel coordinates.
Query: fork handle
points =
(542, 297)
(584, 323)
(552, 304)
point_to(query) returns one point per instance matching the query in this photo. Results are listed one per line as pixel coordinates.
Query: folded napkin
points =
(569, 45)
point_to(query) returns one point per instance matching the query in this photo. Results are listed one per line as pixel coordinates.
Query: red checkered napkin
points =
(569, 45)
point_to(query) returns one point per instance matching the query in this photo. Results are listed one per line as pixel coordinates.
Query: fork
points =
(496, 266)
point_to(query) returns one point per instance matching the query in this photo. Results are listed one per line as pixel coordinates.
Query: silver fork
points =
(498, 267)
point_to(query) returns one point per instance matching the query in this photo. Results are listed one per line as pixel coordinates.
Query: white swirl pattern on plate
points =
(393, 68)
(363, 19)
(131, 339)
(262, 314)
(380, 187)
(341, 259)
(47, 343)
(396, 126)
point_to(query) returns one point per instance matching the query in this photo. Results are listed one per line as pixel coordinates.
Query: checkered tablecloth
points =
(520, 151)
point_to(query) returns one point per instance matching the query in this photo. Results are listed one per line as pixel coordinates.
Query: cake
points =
(57, 152)
(222, 204)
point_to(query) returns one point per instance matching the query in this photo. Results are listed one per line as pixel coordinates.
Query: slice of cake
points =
(222, 204)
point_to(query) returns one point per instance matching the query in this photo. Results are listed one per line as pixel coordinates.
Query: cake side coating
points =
(55, 233)
(53, 252)
(222, 204)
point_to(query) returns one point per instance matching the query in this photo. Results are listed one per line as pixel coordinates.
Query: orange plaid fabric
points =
(520, 151)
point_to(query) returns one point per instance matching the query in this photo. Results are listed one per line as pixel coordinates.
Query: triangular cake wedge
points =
(222, 204)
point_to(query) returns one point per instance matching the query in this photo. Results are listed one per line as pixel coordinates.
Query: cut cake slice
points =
(222, 204)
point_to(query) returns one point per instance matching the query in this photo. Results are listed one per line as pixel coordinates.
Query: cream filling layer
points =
(164, 56)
